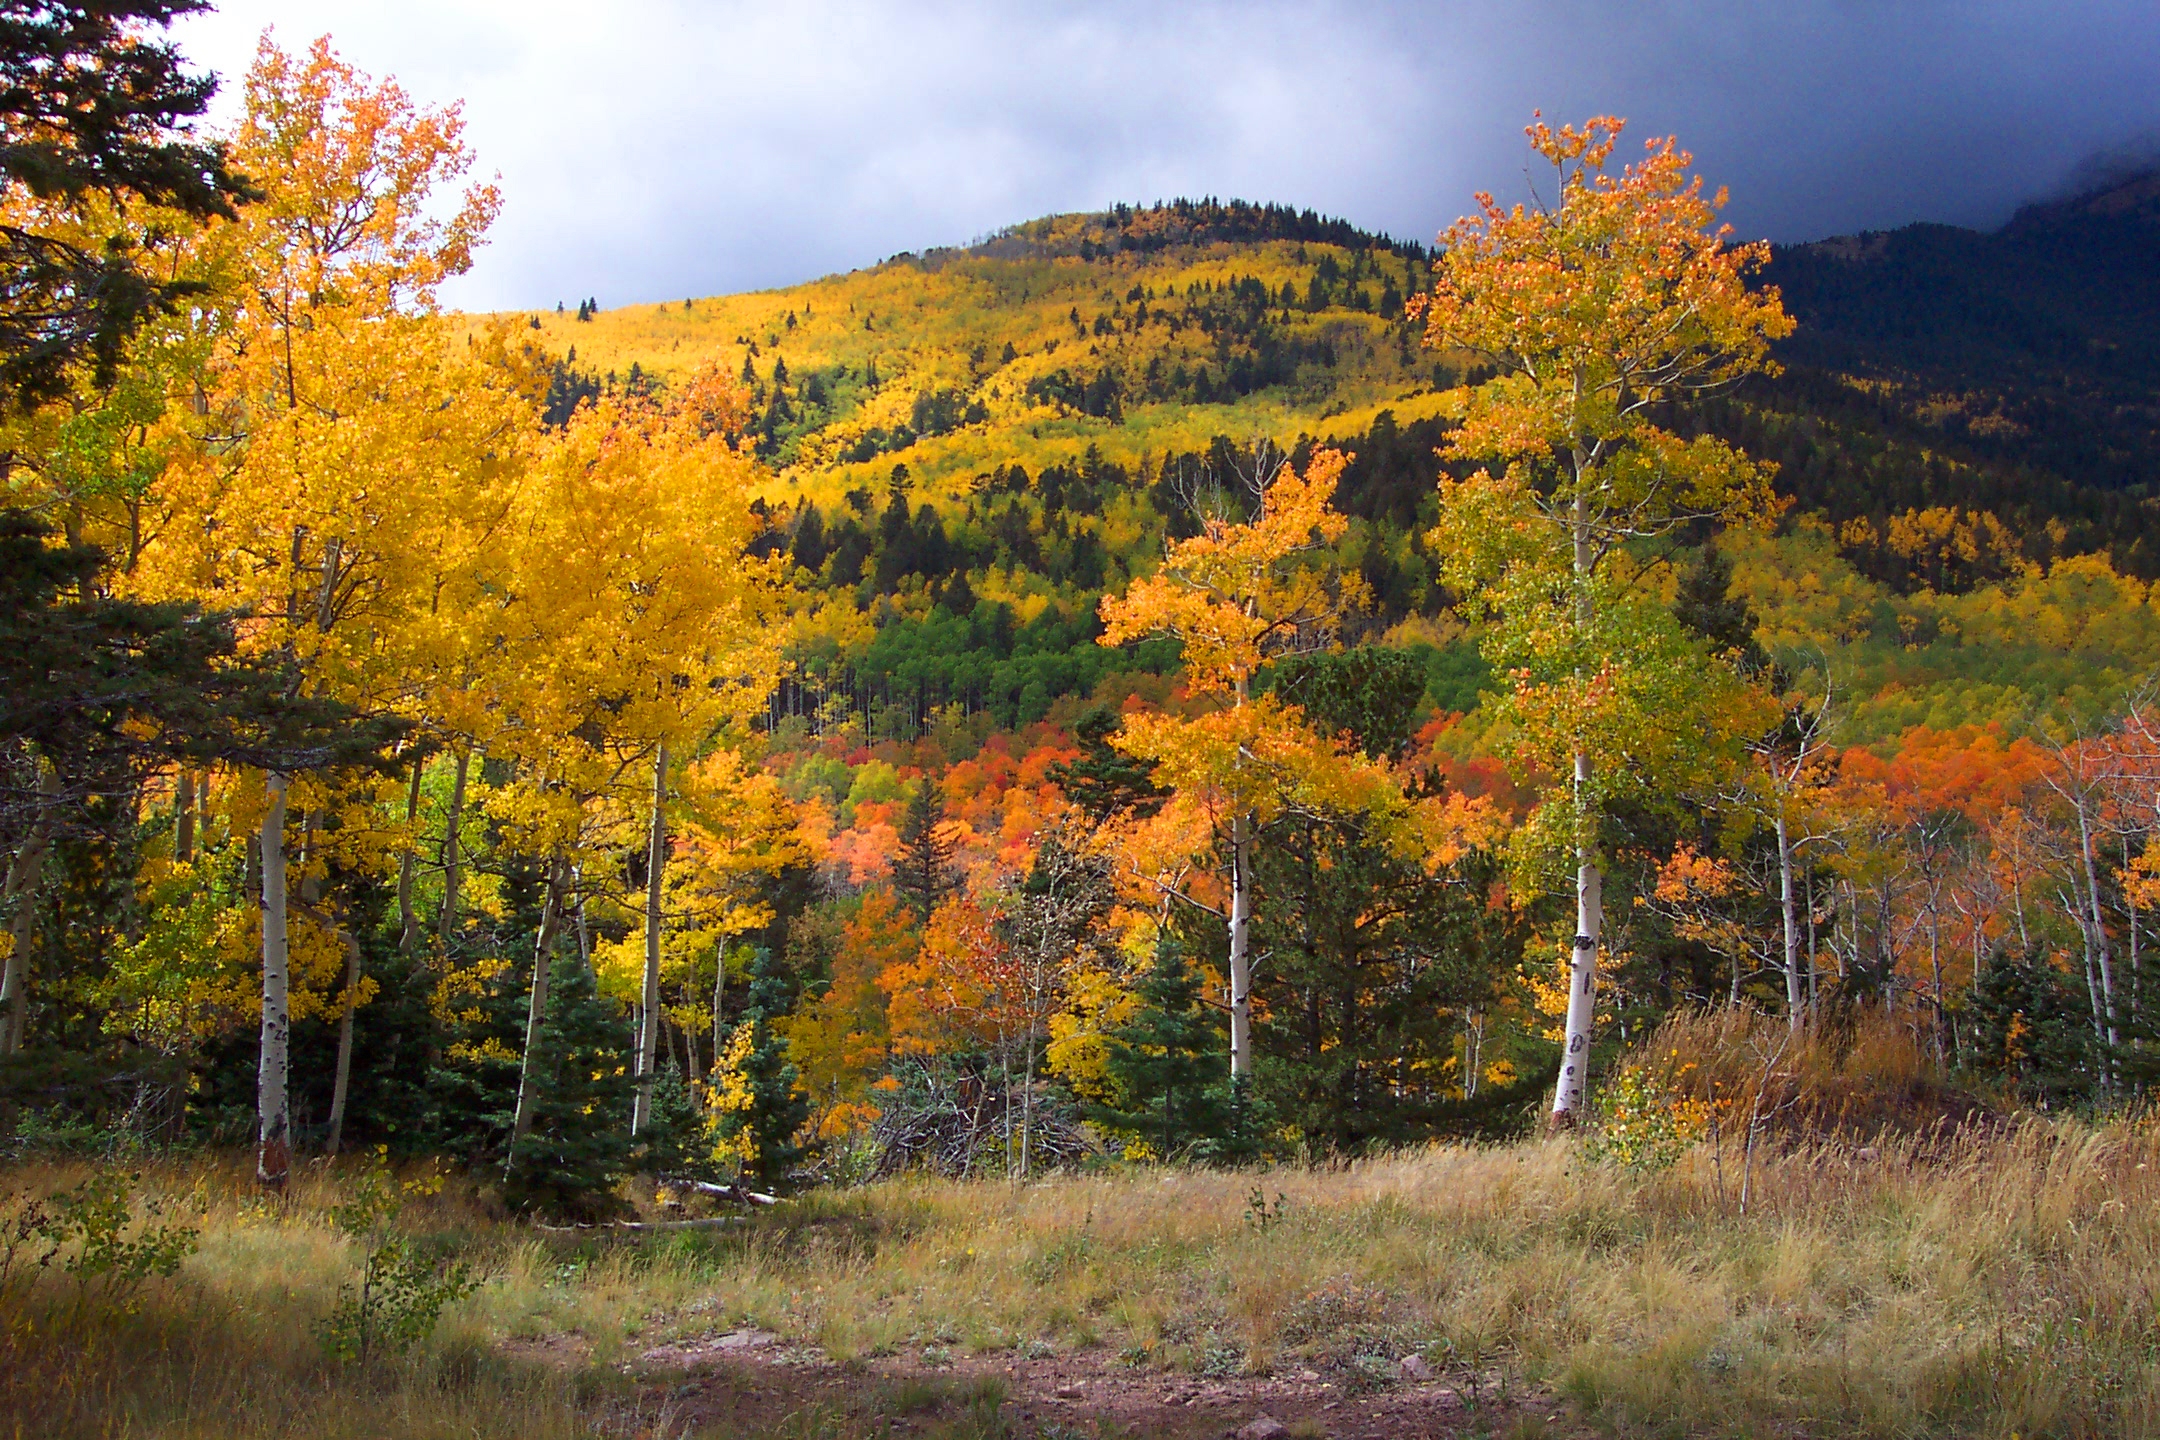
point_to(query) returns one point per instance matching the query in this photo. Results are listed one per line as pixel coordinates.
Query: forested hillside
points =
(1956, 410)
(1096, 694)
(991, 822)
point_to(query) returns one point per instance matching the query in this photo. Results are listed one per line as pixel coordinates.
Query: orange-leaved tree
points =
(1599, 307)
(1238, 595)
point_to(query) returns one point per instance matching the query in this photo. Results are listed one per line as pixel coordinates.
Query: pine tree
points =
(2029, 1027)
(923, 870)
(760, 1107)
(578, 1148)
(674, 1138)
(1169, 1065)
(1105, 782)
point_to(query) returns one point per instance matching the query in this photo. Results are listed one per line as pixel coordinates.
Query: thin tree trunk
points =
(273, 1146)
(689, 1036)
(184, 818)
(1240, 956)
(649, 997)
(1027, 1103)
(342, 1084)
(1935, 976)
(452, 846)
(2100, 937)
(408, 918)
(2137, 988)
(1473, 1053)
(719, 997)
(1571, 1093)
(1814, 955)
(536, 1013)
(2017, 894)
(584, 930)
(1795, 989)
(25, 874)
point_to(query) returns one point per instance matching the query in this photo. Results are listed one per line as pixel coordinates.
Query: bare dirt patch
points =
(749, 1381)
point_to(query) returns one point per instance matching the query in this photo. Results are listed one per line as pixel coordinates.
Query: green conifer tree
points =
(923, 871)
(759, 1107)
(1169, 1064)
(1105, 782)
(675, 1140)
(578, 1149)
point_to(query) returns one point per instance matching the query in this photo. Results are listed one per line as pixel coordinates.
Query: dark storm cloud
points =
(656, 150)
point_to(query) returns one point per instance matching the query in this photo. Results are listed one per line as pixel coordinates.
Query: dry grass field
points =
(1995, 1281)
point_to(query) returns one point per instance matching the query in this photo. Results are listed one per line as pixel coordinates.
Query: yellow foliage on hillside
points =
(1003, 334)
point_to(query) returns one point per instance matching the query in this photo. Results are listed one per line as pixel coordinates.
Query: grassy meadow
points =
(1990, 1279)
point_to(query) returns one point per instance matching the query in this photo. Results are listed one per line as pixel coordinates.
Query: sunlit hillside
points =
(1938, 571)
(1063, 334)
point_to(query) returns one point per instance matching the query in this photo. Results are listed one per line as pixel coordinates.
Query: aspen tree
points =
(1616, 295)
(636, 626)
(1237, 595)
(349, 459)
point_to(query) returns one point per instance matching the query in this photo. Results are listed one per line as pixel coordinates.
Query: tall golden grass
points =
(1989, 1281)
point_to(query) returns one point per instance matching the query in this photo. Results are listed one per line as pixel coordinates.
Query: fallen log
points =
(725, 1192)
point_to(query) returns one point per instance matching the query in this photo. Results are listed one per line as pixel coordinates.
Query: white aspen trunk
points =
(273, 1145)
(719, 998)
(1935, 978)
(2099, 935)
(2137, 987)
(343, 1082)
(2017, 897)
(1473, 1052)
(689, 1036)
(649, 997)
(1240, 958)
(408, 918)
(1570, 1095)
(1027, 1103)
(451, 848)
(1814, 955)
(536, 1013)
(1572, 1091)
(584, 930)
(2074, 906)
(1795, 988)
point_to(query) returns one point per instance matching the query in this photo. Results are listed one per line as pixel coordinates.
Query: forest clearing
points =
(1994, 1280)
(1184, 820)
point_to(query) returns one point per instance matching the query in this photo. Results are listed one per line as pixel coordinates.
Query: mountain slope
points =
(971, 445)
(1127, 332)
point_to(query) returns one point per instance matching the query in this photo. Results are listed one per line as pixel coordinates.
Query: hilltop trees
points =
(1617, 297)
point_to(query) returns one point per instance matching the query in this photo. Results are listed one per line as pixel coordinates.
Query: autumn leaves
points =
(378, 498)
(558, 641)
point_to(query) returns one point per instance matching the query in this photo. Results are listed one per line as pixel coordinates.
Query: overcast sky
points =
(658, 149)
